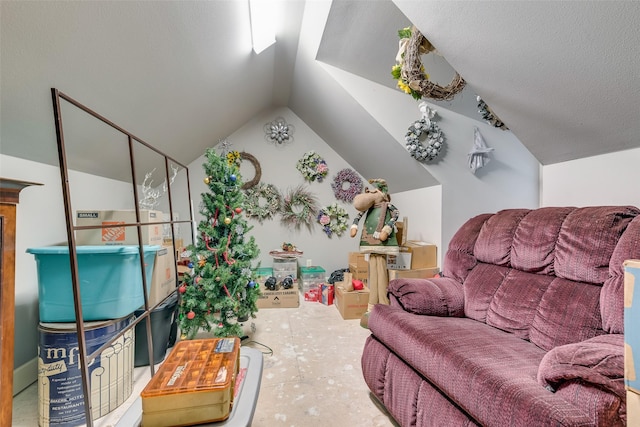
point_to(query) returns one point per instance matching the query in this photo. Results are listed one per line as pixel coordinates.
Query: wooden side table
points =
(9, 197)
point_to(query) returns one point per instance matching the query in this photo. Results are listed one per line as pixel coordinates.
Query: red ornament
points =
(238, 210)
(191, 315)
(198, 279)
(182, 289)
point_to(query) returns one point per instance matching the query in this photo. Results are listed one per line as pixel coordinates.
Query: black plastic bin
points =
(162, 319)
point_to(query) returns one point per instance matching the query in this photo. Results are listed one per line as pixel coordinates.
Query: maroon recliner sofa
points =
(525, 328)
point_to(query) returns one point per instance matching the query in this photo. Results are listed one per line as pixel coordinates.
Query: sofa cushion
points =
(586, 242)
(496, 237)
(534, 241)
(569, 312)
(459, 258)
(434, 297)
(515, 303)
(612, 294)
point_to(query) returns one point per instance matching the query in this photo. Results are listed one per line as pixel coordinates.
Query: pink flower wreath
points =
(354, 187)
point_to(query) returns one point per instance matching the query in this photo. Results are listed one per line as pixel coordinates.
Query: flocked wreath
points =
(424, 138)
(299, 207)
(410, 73)
(346, 185)
(253, 197)
(333, 219)
(312, 167)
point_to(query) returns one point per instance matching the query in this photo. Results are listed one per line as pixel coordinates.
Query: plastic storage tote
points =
(162, 318)
(110, 281)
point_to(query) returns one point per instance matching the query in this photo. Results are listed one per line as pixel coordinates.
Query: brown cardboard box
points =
(351, 305)
(420, 273)
(414, 255)
(281, 298)
(359, 273)
(359, 260)
(163, 281)
(151, 234)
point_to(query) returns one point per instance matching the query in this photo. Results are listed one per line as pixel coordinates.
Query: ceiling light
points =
(261, 13)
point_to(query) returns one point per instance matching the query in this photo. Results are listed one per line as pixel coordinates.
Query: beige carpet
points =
(311, 377)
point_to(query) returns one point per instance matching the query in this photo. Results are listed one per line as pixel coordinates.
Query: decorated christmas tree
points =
(220, 291)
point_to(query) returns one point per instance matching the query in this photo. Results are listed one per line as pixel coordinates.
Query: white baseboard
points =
(25, 375)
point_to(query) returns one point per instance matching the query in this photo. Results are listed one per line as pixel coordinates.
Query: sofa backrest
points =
(552, 275)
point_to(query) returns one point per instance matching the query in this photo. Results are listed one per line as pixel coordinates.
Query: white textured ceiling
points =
(181, 75)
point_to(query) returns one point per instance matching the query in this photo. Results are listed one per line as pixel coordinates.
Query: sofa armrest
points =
(434, 297)
(598, 361)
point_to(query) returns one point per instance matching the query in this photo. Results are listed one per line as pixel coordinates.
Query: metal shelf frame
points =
(84, 358)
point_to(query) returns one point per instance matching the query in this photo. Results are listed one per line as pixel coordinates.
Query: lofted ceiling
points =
(181, 75)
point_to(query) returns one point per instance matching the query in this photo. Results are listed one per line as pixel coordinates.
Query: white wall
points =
(40, 221)
(609, 179)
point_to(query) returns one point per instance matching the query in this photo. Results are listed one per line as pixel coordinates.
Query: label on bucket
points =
(60, 393)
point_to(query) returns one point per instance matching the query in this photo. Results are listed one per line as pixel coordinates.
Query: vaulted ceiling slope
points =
(562, 74)
(182, 76)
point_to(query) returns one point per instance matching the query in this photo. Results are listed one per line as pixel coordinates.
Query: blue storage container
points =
(110, 281)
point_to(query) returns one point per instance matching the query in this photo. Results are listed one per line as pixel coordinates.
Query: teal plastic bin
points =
(110, 281)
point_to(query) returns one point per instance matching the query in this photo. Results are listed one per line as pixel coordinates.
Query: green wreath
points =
(252, 206)
(298, 208)
(333, 219)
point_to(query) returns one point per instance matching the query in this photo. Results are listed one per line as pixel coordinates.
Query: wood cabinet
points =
(9, 197)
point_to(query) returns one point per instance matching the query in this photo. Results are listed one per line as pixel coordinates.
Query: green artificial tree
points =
(220, 290)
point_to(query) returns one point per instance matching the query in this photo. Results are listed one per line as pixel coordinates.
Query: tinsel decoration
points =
(489, 116)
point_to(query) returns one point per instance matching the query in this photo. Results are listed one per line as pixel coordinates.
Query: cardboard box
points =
(420, 273)
(360, 260)
(163, 280)
(351, 305)
(281, 298)
(115, 235)
(414, 255)
(359, 272)
(631, 322)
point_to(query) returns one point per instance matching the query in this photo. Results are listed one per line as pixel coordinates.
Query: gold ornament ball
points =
(227, 220)
(207, 180)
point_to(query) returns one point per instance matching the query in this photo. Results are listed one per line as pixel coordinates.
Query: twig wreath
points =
(427, 129)
(256, 165)
(312, 167)
(253, 196)
(489, 116)
(298, 208)
(410, 71)
(333, 219)
(346, 185)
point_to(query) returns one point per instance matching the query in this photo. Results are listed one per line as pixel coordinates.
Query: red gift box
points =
(312, 295)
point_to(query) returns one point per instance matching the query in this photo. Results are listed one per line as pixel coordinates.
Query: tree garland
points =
(307, 203)
(434, 138)
(333, 219)
(312, 167)
(252, 206)
(348, 176)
